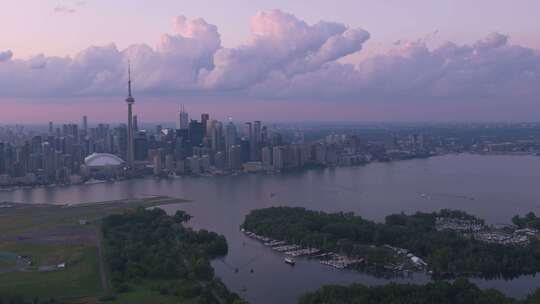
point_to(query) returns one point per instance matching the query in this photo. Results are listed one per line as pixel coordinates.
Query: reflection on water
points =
(492, 187)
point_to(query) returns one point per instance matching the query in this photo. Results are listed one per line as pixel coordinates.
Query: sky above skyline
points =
(271, 60)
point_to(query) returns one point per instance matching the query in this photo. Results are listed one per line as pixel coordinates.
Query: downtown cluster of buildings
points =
(76, 153)
(73, 153)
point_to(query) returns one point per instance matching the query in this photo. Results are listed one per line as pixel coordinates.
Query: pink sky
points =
(368, 60)
(149, 110)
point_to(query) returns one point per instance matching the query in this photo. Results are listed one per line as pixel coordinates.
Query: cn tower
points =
(130, 101)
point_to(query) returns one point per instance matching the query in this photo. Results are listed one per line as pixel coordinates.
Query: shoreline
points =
(241, 173)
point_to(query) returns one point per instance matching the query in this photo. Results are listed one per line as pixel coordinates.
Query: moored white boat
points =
(290, 261)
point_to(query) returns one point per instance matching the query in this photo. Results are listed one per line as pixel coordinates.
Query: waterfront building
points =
(235, 157)
(253, 167)
(194, 164)
(266, 153)
(278, 162)
(219, 160)
(205, 163)
(158, 166)
(170, 165)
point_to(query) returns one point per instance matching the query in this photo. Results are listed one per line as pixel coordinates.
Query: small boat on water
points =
(290, 261)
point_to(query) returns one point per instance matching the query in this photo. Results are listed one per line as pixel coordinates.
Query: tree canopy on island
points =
(441, 292)
(448, 253)
(150, 246)
(530, 220)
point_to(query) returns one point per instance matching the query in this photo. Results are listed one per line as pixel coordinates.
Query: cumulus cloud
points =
(281, 43)
(489, 68)
(64, 9)
(69, 7)
(284, 57)
(5, 55)
(37, 62)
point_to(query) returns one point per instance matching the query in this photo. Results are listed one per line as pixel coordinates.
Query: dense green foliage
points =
(148, 245)
(459, 292)
(5, 299)
(447, 253)
(530, 220)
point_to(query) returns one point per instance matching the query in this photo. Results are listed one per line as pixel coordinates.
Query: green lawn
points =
(7, 260)
(28, 217)
(81, 276)
(147, 293)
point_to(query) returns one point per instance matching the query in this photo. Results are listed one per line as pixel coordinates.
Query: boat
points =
(290, 261)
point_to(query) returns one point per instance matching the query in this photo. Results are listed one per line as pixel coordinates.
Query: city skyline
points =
(257, 151)
(287, 64)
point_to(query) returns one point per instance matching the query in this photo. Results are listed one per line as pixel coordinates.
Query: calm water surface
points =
(492, 187)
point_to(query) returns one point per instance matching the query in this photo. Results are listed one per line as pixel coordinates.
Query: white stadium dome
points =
(103, 160)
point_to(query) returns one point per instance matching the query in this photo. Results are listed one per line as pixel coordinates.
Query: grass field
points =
(144, 294)
(81, 276)
(138, 294)
(7, 260)
(52, 234)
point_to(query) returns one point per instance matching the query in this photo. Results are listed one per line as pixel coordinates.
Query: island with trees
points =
(447, 243)
(153, 255)
(460, 291)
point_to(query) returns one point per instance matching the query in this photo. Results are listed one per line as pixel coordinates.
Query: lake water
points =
(492, 187)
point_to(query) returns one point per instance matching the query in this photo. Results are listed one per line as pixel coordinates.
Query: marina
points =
(508, 235)
(335, 260)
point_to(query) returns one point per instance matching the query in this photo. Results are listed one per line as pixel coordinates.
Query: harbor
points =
(508, 235)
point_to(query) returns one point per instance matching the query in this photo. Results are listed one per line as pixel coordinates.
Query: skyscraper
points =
(205, 117)
(230, 135)
(85, 125)
(135, 123)
(256, 141)
(183, 119)
(196, 133)
(130, 101)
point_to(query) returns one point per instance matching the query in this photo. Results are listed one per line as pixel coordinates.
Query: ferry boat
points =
(290, 261)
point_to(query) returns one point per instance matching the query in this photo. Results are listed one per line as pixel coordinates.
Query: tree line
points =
(460, 291)
(529, 220)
